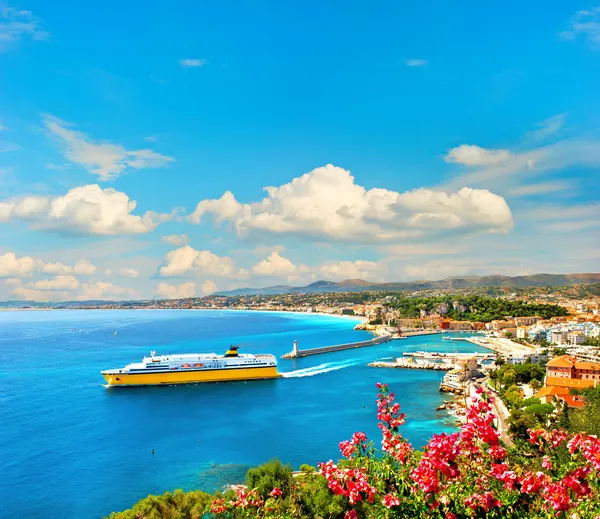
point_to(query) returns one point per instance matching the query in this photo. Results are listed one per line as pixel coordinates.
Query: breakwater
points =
(408, 364)
(296, 353)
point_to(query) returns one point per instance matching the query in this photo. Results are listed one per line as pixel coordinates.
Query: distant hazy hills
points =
(359, 285)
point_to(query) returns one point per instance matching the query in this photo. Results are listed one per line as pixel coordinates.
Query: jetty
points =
(297, 353)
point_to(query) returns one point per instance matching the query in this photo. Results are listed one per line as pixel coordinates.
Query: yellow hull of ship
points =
(190, 377)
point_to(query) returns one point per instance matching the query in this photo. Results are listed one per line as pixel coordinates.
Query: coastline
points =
(355, 318)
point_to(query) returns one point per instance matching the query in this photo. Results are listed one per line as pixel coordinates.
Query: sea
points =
(72, 448)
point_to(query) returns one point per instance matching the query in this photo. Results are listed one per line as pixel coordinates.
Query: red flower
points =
(276, 492)
(390, 500)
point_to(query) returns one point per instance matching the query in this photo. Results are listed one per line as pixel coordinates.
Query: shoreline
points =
(356, 318)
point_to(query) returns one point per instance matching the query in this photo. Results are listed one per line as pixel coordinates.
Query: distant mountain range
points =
(359, 285)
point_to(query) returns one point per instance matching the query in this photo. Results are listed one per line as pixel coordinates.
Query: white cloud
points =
(360, 269)
(471, 155)
(14, 266)
(549, 127)
(104, 291)
(56, 269)
(55, 283)
(84, 267)
(277, 266)
(327, 204)
(105, 160)
(189, 261)
(187, 63)
(166, 291)
(13, 281)
(585, 23)
(208, 287)
(87, 210)
(31, 294)
(177, 240)
(505, 168)
(129, 273)
(17, 24)
(416, 62)
(539, 189)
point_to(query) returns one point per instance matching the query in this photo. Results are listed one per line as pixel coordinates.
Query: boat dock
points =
(296, 353)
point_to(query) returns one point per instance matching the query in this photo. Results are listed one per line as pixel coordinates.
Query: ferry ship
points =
(193, 368)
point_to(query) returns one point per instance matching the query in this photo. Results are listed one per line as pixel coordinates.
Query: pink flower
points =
(390, 500)
(546, 463)
(359, 437)
(276, 492)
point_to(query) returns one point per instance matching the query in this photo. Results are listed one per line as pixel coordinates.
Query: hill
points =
(359, 285)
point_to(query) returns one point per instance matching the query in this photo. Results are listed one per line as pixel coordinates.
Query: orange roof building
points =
(567, 366)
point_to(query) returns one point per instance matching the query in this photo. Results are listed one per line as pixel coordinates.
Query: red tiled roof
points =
(563, 361)
(574, 383)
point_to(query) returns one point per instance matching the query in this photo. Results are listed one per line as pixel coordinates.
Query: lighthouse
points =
(295, 350)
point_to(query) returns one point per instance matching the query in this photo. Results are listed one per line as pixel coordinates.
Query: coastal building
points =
(570, 367)
(525, 321)
(464, 369)
(522, 332)
(575, 338)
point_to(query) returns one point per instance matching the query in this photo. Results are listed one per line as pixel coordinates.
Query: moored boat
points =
(194, 368)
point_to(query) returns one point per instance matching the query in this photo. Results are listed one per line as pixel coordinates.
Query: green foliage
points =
(478, 308)
(267, 476)
(585, 419)
(178, 505)
(531, 401)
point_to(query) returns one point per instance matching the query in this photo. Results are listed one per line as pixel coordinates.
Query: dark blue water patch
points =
(74, 447)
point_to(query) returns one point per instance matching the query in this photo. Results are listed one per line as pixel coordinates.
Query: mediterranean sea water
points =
(71, 448)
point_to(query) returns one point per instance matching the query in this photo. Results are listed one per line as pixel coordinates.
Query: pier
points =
(297, 353)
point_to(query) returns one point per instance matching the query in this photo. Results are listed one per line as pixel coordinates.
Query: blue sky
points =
(410, 141)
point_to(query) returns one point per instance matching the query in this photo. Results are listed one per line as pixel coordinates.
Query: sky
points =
(164, 150)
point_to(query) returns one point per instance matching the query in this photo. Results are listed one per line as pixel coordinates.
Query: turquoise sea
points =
(70, 448)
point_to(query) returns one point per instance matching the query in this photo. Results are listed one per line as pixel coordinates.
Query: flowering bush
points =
(467, 474)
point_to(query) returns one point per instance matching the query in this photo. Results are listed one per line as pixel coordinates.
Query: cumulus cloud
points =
(105, 160)
(189, 261)
(326, 204)
(88, 210)
(105, 291)
(208, 287)
(193, 62)
(84, 267)
(178, 240)
(360, 269)
(31, 294)
(55, 283)
(166, 291)
(471, 155)
(277, 266)
(13, 266)
(17, 24)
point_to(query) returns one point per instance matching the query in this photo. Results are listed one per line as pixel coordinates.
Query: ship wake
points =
(321, 368)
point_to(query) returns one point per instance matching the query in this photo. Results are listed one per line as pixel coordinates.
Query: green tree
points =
(267, 476)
